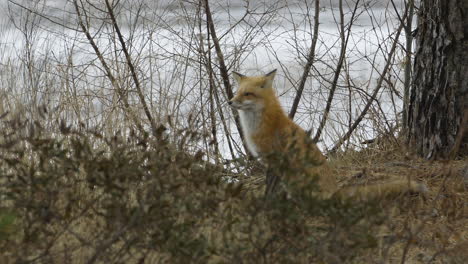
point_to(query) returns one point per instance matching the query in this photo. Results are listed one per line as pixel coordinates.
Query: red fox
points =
(268, 130)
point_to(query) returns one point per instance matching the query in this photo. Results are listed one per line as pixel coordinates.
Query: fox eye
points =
(247, 94)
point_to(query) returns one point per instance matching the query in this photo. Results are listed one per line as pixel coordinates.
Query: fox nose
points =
(230, 102)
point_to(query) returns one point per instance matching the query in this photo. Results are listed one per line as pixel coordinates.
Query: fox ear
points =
(271, 74)
(237, 76)
(269, 77)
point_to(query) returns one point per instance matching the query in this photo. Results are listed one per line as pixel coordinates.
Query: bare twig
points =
(376, 90)
(344, 45)
(310, 61)
(107, 69)
(110, 10)
(222, 66)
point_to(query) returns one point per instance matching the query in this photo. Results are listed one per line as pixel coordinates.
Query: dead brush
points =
(418, 229)
(77, 196)
(82, 197)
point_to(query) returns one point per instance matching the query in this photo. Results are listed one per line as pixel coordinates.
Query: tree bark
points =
(439, 94)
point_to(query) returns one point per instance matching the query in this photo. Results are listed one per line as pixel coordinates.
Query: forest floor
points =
(430, 228)
(84, 198)
(437, 224)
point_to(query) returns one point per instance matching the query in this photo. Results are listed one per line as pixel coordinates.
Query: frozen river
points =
(45, 59)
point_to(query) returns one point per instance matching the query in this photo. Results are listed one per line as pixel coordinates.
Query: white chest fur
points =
(250, 121)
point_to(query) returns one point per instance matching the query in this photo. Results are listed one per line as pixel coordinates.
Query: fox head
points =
(254, 91)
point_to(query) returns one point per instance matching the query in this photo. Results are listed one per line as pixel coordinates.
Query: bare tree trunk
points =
(439, 95)
(408, 51)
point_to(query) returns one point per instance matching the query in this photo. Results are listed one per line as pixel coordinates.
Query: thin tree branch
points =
(310, 61)
(344, 45)
(222, 66)
(107, 69)
(377, 89)
(110, 9)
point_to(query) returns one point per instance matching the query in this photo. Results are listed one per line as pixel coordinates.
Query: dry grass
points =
(418, 229)
(434, 227)
(81, 197)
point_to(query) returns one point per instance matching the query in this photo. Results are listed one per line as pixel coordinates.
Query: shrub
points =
(79, 196)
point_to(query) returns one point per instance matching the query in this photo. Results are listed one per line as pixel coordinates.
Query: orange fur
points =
(268, 130)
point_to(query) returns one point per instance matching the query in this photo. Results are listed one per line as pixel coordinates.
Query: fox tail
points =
(382, 190)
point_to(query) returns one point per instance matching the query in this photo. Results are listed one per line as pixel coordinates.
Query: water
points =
(164, 39)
